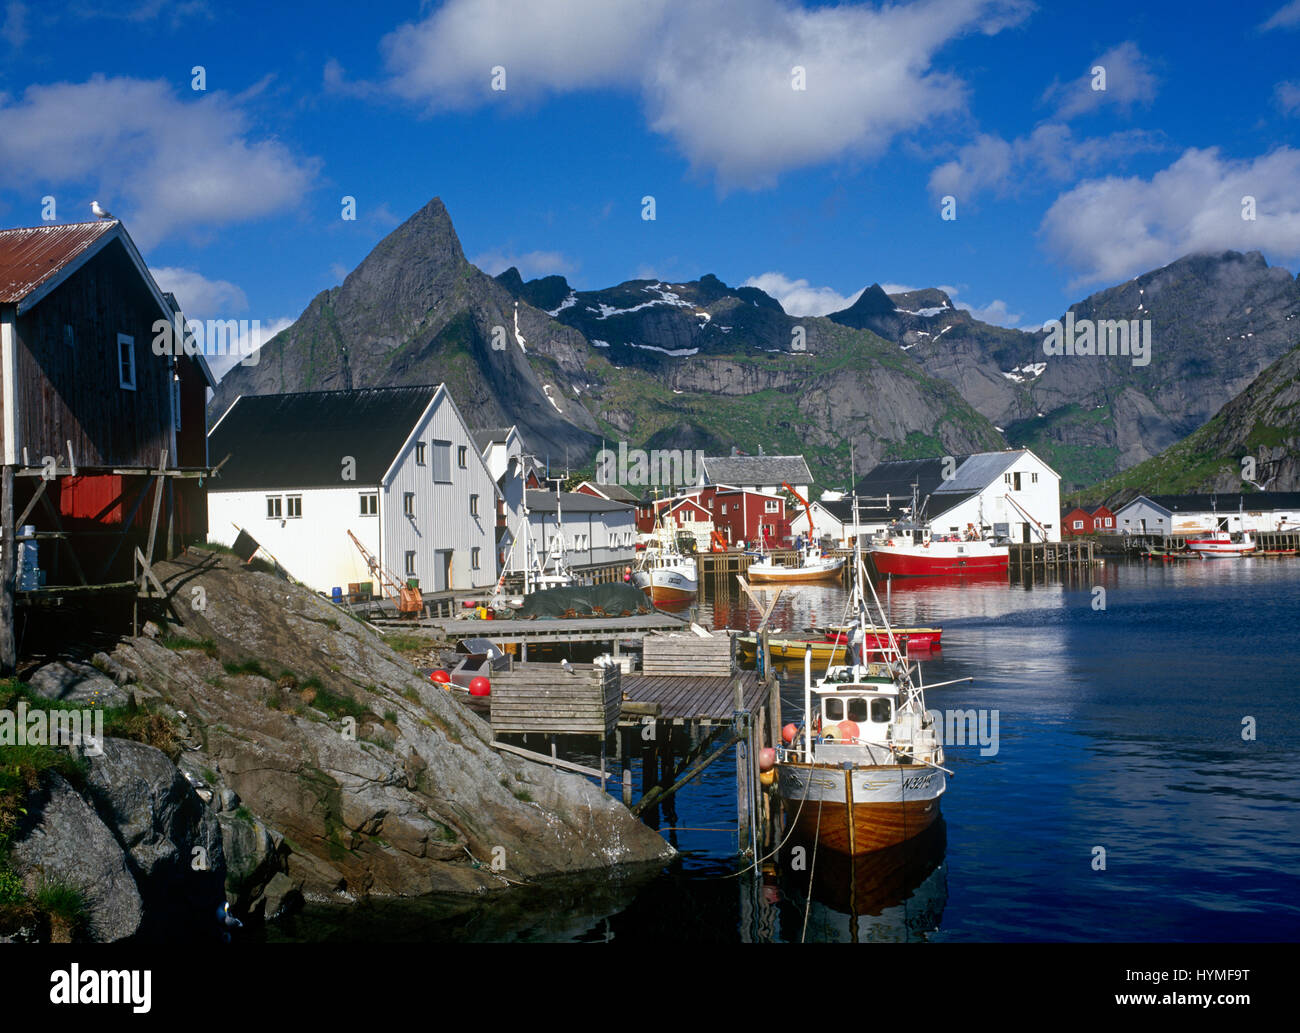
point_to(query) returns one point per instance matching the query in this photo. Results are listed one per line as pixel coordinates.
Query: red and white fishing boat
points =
(940, 556)
(1221, 543)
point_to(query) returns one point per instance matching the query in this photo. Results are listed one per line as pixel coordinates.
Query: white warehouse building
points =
(1010, 494)
(397, 467)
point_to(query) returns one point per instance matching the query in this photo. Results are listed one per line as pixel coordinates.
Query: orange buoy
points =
(848, 729)
(441, 677)
(767, 777)
(480, 686)
(788, 733)
(766, 759)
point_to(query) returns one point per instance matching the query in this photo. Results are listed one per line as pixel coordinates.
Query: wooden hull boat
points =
(860, 809)
(912, 638)
(668, 584)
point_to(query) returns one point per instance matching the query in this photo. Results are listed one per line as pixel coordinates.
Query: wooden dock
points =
(546, 631)
(1066, 557)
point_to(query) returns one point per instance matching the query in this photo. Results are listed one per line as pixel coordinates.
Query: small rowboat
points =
(827, 650)
(914, 638)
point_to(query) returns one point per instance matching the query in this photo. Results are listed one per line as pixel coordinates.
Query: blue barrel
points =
(336, 593)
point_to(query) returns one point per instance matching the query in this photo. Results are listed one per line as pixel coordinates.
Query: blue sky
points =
(233, 193)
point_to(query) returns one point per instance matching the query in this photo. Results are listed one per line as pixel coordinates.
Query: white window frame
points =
(371, 510)
(126, 383)
(410, 565)
(1078, 525)
(291, 503)
(772, 506)
(421, 454)
(474, 553)
(274, 507)
(473, 505)
(462, 456)
(408, 503)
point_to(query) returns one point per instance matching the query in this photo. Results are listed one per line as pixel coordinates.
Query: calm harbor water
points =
(1119, 727)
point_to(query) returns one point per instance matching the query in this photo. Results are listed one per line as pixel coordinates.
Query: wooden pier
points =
(1056, 558)
(688, 708)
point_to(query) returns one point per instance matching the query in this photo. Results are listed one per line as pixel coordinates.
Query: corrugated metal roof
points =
(31, 256)
(572, 502)
(299, 440)
(979, 471)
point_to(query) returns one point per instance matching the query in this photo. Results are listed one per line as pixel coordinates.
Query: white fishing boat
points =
(813, 564)
(1222, 544)
(664, 572)
(866, 771)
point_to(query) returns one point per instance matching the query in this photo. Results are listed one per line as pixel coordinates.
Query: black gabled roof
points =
(1226, 502)
(300, 440)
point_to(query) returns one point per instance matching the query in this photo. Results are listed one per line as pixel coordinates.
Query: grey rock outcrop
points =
(65, 843)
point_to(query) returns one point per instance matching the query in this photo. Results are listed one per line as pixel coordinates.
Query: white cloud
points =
(223, 364)
(163, 164)
(200, 297)
(799, 297)
(1287, 97)
(1112, 228)
(1050, 154)
(1129, 81)
(715, 76)
(530, 264)
(1285, 17)
(994, 312)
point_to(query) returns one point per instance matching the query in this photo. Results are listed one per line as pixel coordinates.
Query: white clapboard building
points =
(396, 466)
(502, 450)
(1009, 494)
(1198, 514)
(596, 530)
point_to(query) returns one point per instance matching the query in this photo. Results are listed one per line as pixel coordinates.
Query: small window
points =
(474, 557)
(1078, 525)
(473, 505)
(857, 709)
(410, 564)
(462, 454)
(1033, 478)
(421, 453)
(370, 504)
(293, 507)
(881, 711)
(126, 361)
(441, 462)
(274, 507)
(724, 509)
(772, 505)
(408, 503)
(1108, 522)
(834, 709)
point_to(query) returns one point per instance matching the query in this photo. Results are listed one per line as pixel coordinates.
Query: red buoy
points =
(849, 730)
(480, 686)
(468, 604)
(788, 733)
(766, 759)
(441, 677)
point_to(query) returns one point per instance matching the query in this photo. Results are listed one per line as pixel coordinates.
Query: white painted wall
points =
(1042, 500)
(590, 537)
(1129, 518)
(442, 519)
(315, 549)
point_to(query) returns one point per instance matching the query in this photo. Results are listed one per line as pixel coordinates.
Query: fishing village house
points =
(502, 451)
(1088, 518)
(1198, 514)
(762, 473)
(1009, 494)
(103, 435)
(596, 530)
(395, 466)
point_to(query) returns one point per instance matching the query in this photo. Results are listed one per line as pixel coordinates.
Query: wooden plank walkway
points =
(687, 698)
(532, 632)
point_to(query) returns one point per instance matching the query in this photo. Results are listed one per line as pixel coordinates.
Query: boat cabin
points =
(867, 696)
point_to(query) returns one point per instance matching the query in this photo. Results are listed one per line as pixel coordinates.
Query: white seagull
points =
(100, 213)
